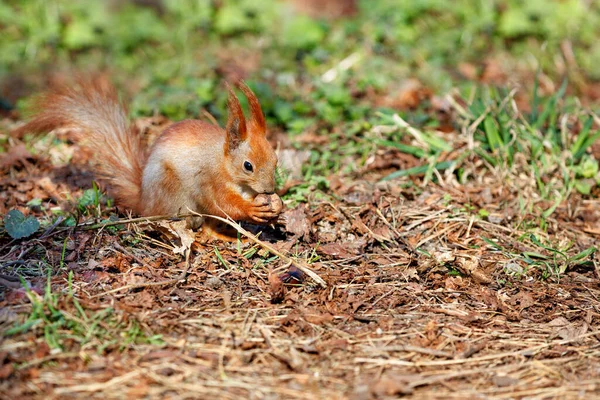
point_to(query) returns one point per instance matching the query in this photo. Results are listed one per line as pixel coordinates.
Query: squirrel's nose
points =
(269, 188)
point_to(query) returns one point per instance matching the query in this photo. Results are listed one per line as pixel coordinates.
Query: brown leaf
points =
(391, 385)
(119, 262)
(159, 355)
(490, 298)
(335, 250)
(318, 319)
(143, 299)
(138, 391)
(523, 299)
(333, 344)
(330, 9)
(566, 330)
(16, 155)
(6, 370)
(468, 70)
(410, 95)
(177, 231)
(470, 266)
(504, 380)
(296, 222)
(276, 288)
(42, 350)
(50, 188)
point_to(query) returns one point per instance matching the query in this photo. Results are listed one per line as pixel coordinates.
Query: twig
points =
(268, 247)
(472, 350)
(343, 65)
(9, 282)
(359, 222)
(130, 254)
(229, 222)
(50, 357)
(488, 357)
(416, 349)
(52, 227)
(100, 225)
(96, 387)
(180, 278)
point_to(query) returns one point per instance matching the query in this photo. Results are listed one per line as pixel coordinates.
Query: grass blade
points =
(420, 170)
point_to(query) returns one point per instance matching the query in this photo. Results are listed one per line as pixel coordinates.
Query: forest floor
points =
(448, 243)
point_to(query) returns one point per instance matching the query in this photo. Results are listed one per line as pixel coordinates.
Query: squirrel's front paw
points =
(265, 208)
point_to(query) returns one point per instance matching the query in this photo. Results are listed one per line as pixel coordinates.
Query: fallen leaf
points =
(179, 230)
(16, 155)
(318, 319)
(335, 250)
(390, 385)
(6, 370)
(332, 344)
(523, 299)
(567, 330)
(292, 161)
(504, 380)
(410, 95)
(276, 288)
(296, 222)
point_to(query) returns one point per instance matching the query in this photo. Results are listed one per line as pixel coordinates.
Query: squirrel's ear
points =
(236, 124)
(257, 121)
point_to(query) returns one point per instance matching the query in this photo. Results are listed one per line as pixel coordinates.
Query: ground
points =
(442, 213)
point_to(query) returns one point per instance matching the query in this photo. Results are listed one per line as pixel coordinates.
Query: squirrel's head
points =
(250, 159)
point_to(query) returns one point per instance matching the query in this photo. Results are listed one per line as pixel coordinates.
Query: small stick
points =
(229, 222)
(268, 247)
(131, 220)
(180, 278)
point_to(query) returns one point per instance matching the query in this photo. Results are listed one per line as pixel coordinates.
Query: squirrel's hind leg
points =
(215, 230)
(195, 222)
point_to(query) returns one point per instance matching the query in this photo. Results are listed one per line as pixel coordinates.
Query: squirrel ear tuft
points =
(236, 124)
(258, 119)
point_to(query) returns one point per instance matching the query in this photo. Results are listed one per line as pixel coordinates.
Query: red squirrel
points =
(193, 164)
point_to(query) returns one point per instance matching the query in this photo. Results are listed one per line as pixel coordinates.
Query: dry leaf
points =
(14, 156)
(276, 288)
(296, 222)
(390, 385)
(179, 230)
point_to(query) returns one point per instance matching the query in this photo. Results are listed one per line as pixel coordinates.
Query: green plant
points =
(102, 329)
(18, 226)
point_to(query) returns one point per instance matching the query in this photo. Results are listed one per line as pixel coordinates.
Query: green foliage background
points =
(172, 53)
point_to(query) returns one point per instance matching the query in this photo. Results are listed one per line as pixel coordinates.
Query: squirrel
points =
(192, 165)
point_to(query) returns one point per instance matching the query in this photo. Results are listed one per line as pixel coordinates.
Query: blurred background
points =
(315, 64)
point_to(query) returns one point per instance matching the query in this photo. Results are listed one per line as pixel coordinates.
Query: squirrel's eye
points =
(248, 166)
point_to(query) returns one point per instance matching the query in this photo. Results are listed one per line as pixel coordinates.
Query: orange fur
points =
(193, 164)
(93, 108)
(171, 181)
(258, 119)
(236, 123)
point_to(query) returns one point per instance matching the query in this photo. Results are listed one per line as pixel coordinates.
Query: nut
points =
(273, 200)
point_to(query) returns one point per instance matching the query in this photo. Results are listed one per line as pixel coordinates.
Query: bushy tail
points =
(93, 108)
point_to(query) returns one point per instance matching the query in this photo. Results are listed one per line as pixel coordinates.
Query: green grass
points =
(551, 259)
(542, 142)
(172, 56)
(63, 322)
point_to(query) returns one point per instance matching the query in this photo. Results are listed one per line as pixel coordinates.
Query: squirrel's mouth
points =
(248, 192)
(253, 191)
